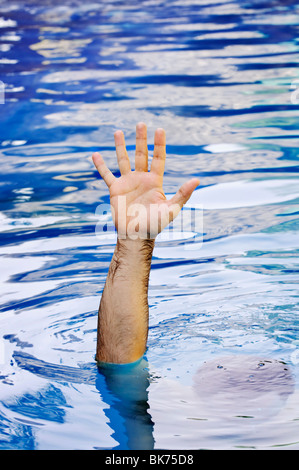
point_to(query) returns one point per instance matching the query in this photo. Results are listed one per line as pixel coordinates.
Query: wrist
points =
(135, 244)
(133, 256)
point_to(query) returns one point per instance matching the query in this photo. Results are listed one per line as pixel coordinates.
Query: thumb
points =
(185, 192)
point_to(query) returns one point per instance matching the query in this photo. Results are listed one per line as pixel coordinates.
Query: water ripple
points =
(222, 79)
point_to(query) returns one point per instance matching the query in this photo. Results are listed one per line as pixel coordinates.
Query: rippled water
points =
(221, 77)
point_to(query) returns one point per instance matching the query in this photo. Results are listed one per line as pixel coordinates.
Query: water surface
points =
(221, 77)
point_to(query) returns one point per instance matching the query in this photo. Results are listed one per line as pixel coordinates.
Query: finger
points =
(141, 154)
(104, 171)
(121, 153)
(159, 156)
(184, 193)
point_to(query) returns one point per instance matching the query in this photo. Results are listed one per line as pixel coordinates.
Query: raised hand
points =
(138, 203)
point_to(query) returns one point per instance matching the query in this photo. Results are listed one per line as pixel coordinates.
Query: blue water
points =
(221, 77)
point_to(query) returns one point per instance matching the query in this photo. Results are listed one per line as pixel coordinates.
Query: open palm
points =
(139, 205)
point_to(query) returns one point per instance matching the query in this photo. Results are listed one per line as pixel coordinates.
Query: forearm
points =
(123, 313)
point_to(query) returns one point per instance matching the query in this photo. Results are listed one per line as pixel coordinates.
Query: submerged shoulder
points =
(244, 373)
(244, 380)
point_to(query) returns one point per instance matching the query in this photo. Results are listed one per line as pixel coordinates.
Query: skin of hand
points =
(137, 198)
(140, 211)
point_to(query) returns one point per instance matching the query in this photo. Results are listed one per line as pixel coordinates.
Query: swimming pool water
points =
(222, 78)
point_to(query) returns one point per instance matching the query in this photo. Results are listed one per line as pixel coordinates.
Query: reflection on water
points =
(222, 79)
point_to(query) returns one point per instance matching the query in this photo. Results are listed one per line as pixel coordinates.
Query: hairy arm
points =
(123, 312)
(140, 211)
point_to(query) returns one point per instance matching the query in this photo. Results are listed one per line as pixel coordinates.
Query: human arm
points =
(140, 211)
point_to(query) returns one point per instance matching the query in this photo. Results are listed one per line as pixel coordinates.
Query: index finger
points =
(159, 156)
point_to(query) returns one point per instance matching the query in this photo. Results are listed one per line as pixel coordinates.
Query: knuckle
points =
(140, 153)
